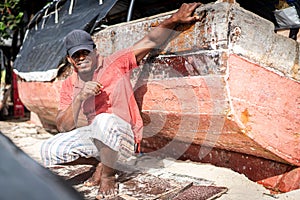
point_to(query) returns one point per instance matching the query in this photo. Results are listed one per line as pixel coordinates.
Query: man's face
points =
(84, 61)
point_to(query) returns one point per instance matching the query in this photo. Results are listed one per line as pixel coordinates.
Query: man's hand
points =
(67, 120)
(91, 88)
(184, 14)
(159, 35)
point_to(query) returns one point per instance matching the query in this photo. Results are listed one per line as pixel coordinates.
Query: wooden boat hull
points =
(216, 93)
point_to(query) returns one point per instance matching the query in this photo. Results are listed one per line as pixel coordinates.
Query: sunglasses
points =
(81, 54)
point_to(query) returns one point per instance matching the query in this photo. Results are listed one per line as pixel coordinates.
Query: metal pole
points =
(130, 10)
(2, 67)
(2, 59)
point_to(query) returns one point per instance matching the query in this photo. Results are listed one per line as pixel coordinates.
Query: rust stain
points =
(154, 24)
(229, 1)
(245, 116)
(295, 70)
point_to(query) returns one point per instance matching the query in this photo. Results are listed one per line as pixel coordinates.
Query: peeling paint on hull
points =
(227, 86)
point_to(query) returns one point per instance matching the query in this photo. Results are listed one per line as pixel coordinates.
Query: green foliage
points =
(10, 18)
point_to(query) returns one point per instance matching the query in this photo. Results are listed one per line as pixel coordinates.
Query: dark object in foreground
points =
(21, 177)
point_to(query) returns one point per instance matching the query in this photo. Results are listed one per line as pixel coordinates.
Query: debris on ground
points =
(148, 177)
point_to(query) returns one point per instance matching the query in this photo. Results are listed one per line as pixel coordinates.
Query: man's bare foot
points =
(95, 178)
(108, 187)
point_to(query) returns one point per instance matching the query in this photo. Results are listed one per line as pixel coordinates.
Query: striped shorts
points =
(107, 128)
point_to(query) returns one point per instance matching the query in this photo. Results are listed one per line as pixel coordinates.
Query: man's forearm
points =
(160, 34)
(156, 37)
(67, 120)
(184, 15)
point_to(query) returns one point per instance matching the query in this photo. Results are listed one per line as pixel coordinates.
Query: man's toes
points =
(109, 193)
(106, 195)
(100, 196)
(90, 183)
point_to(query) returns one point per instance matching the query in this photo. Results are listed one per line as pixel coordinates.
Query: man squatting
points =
(101, 87)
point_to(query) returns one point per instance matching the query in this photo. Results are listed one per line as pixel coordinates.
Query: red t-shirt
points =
(117, 95)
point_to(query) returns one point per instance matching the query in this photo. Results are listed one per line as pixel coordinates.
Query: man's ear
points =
(94, 50)
(70, 60)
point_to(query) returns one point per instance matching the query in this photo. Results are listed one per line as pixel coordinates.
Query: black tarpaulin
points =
(43, 47)
(21, 177)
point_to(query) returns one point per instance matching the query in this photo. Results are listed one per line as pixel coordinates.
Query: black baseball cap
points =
(78, 40)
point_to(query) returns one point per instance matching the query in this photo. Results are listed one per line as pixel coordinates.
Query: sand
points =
(29, 138)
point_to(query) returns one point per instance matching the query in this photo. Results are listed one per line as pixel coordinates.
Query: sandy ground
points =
(29, 137)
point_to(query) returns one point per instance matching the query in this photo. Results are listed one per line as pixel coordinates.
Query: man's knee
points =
(52, 152)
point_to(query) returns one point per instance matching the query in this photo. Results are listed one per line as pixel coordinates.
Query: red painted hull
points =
(41, 98)
(210, 97)
(267, 107)
(191, 118)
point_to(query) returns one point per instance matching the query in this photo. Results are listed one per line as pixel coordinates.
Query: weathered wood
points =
(228, 82)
